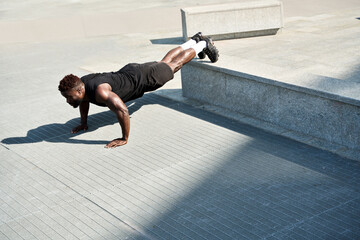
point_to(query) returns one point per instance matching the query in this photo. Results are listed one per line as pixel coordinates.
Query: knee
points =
(174, 66)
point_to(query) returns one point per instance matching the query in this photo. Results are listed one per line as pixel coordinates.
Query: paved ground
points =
(317, 56)
(185, 174)
(322, 46)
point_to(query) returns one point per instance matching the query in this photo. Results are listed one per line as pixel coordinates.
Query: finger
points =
(115, 144)
(121, 143)
(109, 145)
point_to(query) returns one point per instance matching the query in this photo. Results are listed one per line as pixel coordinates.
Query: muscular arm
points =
(114, 102)
(84, 111)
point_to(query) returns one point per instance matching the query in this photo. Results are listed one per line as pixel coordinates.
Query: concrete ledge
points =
(313, 115)
(236, 20)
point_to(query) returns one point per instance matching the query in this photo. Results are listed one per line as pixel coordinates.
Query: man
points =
(132, 81)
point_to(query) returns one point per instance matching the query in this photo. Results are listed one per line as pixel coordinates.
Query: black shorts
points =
(150, 76)
(154, 75)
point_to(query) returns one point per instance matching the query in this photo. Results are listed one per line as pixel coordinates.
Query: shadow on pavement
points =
(60, 132)
(173, 41)
(275, 145)
(269, 186)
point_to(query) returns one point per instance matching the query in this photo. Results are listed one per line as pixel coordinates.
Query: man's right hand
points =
(79, 128)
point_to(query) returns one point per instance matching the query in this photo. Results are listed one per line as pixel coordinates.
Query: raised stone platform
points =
(289, 84)
(233, 20)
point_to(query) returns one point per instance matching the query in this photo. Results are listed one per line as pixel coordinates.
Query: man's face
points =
(73, 97)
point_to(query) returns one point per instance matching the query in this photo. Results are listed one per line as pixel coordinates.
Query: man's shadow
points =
(61, 132)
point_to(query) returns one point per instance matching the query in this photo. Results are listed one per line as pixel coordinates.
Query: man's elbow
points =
(123, 111)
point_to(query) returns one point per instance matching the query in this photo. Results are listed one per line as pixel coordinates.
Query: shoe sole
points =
(201, 55)
(197, 37)
(211, 51)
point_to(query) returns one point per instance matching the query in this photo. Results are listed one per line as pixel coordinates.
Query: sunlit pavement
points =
(186, 173)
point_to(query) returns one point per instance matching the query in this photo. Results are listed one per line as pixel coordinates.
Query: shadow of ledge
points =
(60, 132)
(172, 41)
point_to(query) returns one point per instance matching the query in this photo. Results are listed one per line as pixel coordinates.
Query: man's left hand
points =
(116, 142)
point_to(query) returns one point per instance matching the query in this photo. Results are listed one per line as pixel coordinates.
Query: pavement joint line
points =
(272, 176)
(286, 228)
(166, 207)
(332, 207)
(160, 182)
(24, 217)
(121, 196)
(268, 127)
(5, 147)
(83, 196)
(164, 169)
(40, 210)
(71, 213)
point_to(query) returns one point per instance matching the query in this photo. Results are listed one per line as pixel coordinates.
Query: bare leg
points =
(177, 57)
(172, 54)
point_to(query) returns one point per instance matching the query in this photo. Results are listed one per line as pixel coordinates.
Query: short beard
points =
(76, 104)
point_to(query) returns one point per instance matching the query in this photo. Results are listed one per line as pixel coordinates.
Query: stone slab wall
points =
(303, 111)
(233, 20)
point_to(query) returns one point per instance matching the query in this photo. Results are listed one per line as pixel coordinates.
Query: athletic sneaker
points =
(198, 37)
(210, 50)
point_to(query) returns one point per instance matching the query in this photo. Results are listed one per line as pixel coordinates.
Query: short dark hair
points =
(69, 82)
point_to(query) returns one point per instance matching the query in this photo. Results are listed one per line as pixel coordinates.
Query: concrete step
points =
(320, 111)
(233, 20)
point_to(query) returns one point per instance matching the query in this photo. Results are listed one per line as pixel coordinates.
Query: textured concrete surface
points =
(186, 173)
(278, 80)
(233, 20)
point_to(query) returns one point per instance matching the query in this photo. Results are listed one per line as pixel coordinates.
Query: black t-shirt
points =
(125, 83)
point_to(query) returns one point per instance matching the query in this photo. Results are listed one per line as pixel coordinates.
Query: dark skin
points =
(77, 97)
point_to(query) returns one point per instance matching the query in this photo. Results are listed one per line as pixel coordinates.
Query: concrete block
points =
(331, 121)
(233, 20)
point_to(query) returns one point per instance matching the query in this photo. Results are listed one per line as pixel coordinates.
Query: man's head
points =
(72, 88)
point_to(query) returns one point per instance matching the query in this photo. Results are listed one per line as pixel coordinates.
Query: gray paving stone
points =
(238, 216)
(186, 173)
(9, 232)
(3, 236)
